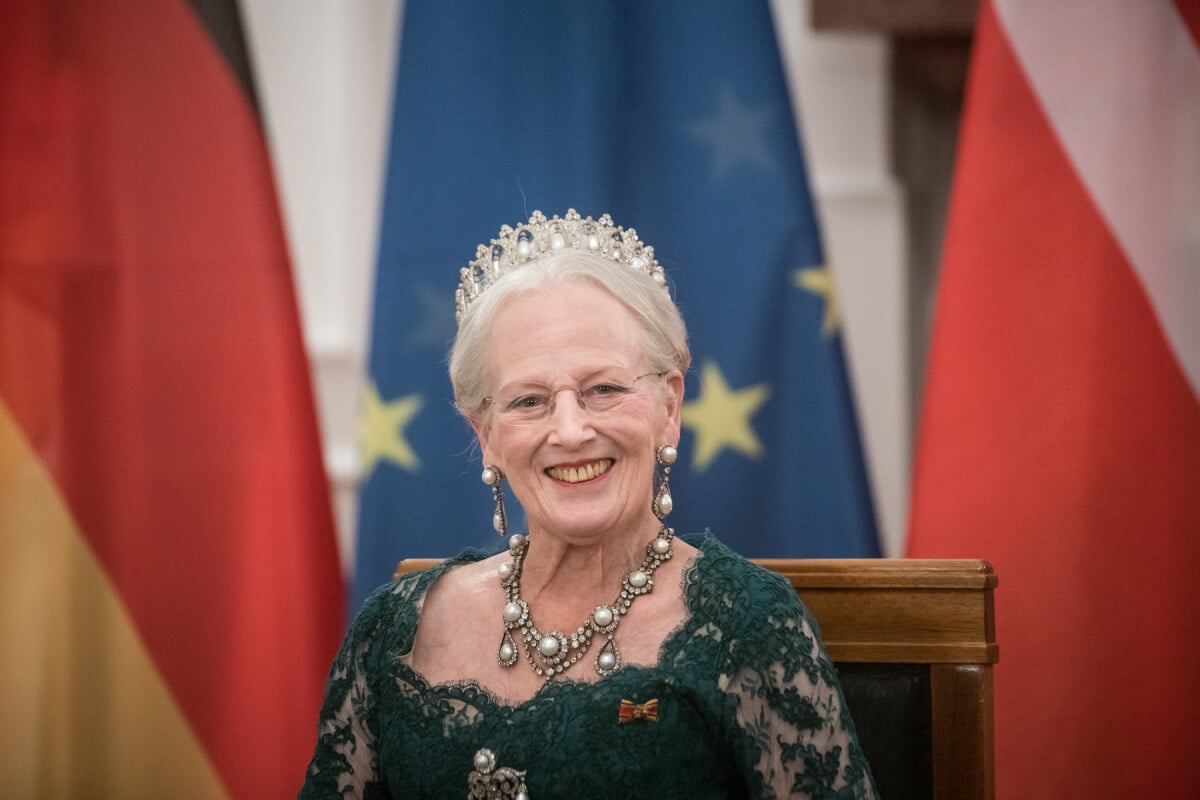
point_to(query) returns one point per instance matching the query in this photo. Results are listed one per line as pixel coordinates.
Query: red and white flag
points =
(1060, 434)
(170, 596)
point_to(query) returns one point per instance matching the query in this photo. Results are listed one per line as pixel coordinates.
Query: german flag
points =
(170, 595)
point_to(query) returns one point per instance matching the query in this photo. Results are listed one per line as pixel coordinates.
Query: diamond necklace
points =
(553, 653)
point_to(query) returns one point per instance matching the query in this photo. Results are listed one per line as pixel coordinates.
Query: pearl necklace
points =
(553, 653)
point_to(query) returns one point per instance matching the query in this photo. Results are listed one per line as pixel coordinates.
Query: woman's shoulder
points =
(395, 606)
(724, 585)
(458, 584)
(723, 566)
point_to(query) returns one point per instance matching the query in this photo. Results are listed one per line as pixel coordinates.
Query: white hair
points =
(665, 337)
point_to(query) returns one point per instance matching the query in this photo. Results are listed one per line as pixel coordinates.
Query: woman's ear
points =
(674, 398)
(483, 433)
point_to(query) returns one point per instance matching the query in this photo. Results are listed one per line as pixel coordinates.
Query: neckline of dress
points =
(458, 688)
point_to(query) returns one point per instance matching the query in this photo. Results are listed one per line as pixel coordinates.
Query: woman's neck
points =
(557, 570)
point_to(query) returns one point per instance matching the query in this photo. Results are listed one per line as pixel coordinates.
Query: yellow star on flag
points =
(819, 281)
(720, 417)
(381, 431)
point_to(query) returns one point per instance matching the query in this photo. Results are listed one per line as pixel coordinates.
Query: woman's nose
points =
(556, 392)
(569, 419)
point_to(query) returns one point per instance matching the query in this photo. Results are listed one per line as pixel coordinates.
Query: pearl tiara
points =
(540, 236)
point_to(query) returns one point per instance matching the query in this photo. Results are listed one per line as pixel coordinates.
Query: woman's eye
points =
(527, 401)
(607, 388)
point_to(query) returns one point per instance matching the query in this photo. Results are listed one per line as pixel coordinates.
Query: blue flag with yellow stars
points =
(674, 118)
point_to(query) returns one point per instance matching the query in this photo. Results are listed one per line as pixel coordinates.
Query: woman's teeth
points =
(577, 474)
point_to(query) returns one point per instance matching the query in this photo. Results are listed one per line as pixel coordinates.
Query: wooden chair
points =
(914, 642)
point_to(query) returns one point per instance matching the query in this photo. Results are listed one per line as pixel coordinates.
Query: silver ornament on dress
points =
(487, 781)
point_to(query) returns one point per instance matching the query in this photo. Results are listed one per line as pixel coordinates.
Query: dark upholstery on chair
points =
(893, 715)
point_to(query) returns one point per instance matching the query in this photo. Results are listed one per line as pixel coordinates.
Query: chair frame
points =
(917, 611)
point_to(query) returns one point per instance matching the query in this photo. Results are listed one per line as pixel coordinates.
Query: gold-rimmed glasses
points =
(534, 402)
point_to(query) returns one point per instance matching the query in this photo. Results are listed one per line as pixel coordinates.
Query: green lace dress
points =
(749, 706)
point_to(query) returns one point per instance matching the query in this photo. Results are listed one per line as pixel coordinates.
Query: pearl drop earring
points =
(663, 503)
(493, 477)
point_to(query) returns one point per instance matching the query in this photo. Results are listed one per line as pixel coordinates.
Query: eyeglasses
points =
(532, 402)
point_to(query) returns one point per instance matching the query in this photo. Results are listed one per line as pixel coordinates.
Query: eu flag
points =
(673, 117)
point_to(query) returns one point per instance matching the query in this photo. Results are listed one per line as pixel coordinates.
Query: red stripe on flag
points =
(160, 371)
(1060, 440)
(1190, 11)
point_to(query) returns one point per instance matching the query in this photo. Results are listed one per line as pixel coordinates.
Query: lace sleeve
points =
(345, 763)
(795, 737)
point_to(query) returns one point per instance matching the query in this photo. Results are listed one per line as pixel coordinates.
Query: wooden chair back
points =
(914, 641)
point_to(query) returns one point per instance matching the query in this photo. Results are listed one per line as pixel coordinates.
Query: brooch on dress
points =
(489, 782)
(634, 712)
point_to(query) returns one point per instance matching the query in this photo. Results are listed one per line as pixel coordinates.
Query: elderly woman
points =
(599, 655)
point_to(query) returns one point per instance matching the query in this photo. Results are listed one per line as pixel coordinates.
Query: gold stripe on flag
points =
(85, 712)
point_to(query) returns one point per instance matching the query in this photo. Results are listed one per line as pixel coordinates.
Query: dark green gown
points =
(748, 706)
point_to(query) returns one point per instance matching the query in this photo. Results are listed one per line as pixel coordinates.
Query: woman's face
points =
(580, 473)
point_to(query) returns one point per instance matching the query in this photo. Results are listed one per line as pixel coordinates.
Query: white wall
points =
(324, 72)
(839, 86)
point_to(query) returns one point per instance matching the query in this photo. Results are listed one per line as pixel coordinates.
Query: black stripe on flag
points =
(223, 20)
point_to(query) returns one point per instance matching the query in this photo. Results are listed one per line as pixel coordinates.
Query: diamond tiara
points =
(540, 236)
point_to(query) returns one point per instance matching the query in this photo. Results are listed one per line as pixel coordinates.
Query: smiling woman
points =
(577, 336)
(600, 655)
